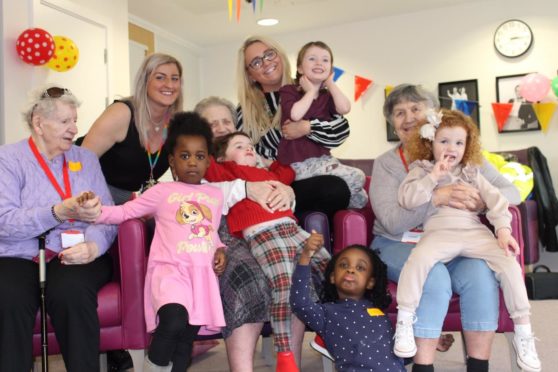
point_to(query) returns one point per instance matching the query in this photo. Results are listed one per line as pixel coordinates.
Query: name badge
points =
(374, 311)
(412, 236)
(70, 238)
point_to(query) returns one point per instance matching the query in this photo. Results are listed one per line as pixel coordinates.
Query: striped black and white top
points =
(330, 134)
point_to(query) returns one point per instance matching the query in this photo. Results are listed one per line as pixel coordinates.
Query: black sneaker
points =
(119, 360)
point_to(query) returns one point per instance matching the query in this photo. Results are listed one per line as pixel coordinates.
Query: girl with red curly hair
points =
(446, 150)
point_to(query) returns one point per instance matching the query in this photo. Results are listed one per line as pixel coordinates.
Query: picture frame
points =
(466, 90)
(390, 129)
(522, 116)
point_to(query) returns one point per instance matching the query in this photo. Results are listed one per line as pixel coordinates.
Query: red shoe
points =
(286, 362)
(318, 344)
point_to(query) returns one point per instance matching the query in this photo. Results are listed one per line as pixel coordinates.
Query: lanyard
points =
(67, 187)
(153, 162)
(402, 156)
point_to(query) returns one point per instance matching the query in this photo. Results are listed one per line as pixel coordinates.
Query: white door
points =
(137, 55)
(88, 80)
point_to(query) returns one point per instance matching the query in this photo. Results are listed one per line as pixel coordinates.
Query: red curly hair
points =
(420, 148)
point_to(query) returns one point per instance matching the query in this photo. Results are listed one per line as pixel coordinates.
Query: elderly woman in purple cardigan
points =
(41, 178)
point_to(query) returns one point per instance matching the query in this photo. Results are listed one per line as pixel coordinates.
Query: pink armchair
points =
(120, 302)
(355, 227)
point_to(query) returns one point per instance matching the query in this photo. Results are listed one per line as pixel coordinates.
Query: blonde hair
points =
(420, 148)
(139, 98)
(257, 120)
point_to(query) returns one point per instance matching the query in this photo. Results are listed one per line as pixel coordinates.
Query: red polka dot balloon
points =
(66, 54)
(35, 46)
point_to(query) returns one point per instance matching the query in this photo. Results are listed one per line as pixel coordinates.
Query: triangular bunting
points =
(465, 106)
(501, 113)
(238, 6)
(230, 9)
(254, 6)
(337, 72)
(361, 84)
(544, 112)
(388, 89)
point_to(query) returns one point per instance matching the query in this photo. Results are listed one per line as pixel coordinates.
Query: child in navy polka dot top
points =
(350, 320)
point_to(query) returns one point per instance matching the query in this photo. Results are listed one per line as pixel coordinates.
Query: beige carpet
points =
(545, 324)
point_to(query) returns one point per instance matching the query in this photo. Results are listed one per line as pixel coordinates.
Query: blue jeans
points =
(470, 278)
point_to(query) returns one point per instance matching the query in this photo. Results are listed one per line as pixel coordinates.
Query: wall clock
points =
(513, 38)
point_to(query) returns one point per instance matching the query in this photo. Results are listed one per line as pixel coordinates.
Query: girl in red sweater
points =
(274, 238)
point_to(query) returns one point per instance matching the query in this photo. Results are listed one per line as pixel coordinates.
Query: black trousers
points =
(326, 194)
(173, 338)
(71, 300)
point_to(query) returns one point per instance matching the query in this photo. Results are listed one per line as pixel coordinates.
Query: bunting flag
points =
(544, 112)
(238, 2)
(465, 106)
(337, 72)
(501, 113)
(361, 85)
(230, 9)
(254, 6)
(388, 90)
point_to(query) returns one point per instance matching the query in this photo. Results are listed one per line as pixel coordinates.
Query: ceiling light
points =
(268, 21)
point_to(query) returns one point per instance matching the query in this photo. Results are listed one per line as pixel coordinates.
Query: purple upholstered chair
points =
(120, 302)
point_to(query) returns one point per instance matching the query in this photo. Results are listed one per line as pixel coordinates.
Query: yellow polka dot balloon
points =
(66, 54)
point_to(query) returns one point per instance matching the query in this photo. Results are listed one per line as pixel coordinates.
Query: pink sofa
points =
(120, 302)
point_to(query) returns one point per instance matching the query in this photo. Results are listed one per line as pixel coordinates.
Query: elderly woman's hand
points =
(295, 129)
(270, 195)
(85, 207)
(79, 254)
(281, 197)
(460, 196)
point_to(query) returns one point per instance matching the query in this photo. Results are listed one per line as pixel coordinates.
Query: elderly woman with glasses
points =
(42, 177)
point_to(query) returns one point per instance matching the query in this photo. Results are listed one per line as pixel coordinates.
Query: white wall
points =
(428, 47)
(18, 78)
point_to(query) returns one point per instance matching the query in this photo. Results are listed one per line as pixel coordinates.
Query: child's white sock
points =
(404, 314)
(523, 329)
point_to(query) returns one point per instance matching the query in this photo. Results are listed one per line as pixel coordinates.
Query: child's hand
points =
(307, 85)
(507, 242)
(329, 81)
(219, 261)
(314, 242)
(441, 168)
(84, 197)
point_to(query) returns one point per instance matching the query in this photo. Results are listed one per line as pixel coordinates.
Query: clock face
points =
(513, 38)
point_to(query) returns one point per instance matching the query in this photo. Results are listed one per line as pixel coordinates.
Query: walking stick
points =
(42, 284)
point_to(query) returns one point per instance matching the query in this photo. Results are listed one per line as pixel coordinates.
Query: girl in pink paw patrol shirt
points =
(181, 288)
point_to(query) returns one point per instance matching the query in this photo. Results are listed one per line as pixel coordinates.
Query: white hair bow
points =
(428, 131)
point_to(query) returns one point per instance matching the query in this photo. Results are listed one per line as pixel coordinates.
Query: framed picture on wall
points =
(461, 95)
(522, 116)
(390, 130)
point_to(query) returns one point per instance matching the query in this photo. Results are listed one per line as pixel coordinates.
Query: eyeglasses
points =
(55, 92)
(257, 63)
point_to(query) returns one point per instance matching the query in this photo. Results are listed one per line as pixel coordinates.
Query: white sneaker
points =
(404, 345)
(527, 357)
(318, 344)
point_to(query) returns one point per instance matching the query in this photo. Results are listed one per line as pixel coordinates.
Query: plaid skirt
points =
(245, 290)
